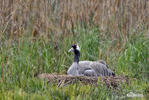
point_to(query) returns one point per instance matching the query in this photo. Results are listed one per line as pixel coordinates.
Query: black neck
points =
(76, 56)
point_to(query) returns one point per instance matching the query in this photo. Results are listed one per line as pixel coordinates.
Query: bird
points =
(87, 68)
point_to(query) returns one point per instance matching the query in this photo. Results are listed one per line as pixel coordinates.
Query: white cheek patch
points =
(78, 48)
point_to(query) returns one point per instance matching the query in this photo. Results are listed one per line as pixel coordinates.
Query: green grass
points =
(23, 59)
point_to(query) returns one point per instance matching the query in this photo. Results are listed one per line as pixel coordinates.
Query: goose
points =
(87, 68)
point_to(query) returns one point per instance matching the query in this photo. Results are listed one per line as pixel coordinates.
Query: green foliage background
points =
(35, 37)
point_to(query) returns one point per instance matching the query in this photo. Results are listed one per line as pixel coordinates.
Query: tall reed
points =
(116, 18)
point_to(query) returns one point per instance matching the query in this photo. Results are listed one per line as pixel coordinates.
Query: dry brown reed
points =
(53, 17)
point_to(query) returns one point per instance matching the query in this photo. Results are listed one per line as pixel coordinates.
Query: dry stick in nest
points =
(63, 80)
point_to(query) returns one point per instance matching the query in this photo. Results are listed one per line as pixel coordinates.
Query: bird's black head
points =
(75, 47)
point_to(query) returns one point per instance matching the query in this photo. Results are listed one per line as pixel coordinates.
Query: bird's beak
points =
(70, 50)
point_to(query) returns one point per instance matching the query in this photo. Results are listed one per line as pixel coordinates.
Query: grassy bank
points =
(22, 60)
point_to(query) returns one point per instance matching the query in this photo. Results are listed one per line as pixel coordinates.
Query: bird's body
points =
(88, 68)
(78, 69)
(73, 70)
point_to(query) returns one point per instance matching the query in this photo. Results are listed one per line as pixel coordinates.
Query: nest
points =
(63, 80)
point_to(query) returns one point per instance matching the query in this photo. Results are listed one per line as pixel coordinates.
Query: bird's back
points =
(100, 68)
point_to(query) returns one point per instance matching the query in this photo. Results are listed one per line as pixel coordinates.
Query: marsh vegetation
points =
(35, 36)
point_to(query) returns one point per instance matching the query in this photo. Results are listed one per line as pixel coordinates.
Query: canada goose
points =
(87, 68)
